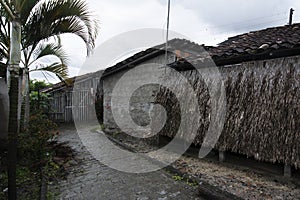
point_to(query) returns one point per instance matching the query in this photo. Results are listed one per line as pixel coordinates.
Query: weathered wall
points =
(140, 103)
(263, 109)
(63, 102)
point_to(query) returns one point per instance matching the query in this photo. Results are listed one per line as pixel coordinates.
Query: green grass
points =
(177, 178)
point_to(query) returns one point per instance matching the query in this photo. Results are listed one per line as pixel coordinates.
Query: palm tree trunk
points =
(27, 101)
(24, 100)
(14, 112)
(13, 130)
(4, 103)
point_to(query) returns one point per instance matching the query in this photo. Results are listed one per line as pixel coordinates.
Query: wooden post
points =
(287, 171)
(222, 156)
(291, 16)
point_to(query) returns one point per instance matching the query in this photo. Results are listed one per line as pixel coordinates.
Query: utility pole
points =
(291, 16)
(167, 35)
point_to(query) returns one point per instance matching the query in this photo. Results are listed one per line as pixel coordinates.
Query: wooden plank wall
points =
(68, 104)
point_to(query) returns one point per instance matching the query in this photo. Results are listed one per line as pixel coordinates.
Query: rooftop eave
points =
(230, 60)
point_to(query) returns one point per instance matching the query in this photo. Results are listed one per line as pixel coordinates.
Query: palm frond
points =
(44, 19)
(3, 53)
(7, 7)
(26, 7)
(4, 33)
(59, 69)
(50, 49)
(56, 17)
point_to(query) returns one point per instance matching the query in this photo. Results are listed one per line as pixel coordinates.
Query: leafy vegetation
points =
(40, 159)
(33, 28)
(177, 178)
(34, 140)
(42, 23)
(39, 102)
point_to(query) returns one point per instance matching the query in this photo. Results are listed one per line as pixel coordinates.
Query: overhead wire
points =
(249, 20)
(253, 26)
(278, 18)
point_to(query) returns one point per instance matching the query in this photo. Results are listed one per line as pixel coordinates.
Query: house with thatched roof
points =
(261, 72)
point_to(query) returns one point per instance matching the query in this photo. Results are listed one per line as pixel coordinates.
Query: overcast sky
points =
(205, 22)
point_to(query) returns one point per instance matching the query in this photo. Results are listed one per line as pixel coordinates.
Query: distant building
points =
(63, 104)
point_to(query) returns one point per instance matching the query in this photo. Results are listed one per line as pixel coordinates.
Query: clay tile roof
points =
(282, 37)
(252, 43)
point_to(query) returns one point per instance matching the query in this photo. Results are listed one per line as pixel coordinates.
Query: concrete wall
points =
(141, 102)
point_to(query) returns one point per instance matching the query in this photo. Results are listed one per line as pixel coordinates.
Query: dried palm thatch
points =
(263, 109)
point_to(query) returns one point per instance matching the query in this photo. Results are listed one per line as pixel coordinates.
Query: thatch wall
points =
(263, 109)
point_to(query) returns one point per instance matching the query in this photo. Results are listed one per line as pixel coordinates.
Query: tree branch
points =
(8, 10)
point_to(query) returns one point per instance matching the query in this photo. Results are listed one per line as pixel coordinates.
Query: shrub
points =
(33, 142)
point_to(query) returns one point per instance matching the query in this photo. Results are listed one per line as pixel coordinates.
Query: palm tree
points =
(29, 26)
(43, 20)
(60, 69)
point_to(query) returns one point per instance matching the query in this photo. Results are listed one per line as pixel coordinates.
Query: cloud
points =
(240, 15)
(206, 22)
(119, 16)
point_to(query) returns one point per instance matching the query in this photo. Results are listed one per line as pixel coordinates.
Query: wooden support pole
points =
(222, 156)
(291, 16)
(287, 171)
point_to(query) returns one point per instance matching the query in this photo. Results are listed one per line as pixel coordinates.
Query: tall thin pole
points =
(167, 35)
(291, 16)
